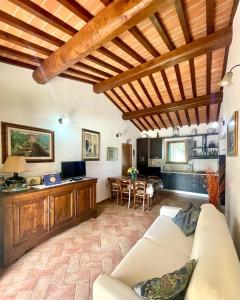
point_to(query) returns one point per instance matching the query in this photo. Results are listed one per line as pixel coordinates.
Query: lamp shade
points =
(227, 79)
(15, 164)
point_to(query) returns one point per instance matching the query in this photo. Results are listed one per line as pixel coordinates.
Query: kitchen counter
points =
(187, 172)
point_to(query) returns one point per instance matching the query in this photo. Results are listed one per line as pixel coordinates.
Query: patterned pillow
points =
(170, 286)
(187, 219)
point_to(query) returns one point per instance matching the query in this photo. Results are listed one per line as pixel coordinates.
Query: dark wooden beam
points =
(234, 9)
(143, 41)
(76, 78)
(170, 119)
(114, 103)
(23, 43)
(77, 9)
(106, 2)
(113, 20)
(44, 15)
(103, 64)
(94, 70)
(115, 57)
(182, 20)
(211, 42)
(176, 106)
(17, 63)
(13, 21)
(118, 42)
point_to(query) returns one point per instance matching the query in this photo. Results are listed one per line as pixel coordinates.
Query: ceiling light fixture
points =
(227, 79)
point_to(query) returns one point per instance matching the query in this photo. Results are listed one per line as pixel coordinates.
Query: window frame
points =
(167, 152)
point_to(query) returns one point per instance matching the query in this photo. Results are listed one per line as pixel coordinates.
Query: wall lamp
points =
(227, 79)
(61, 119)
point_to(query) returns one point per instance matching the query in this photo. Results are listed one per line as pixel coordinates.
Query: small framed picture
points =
(51, 179)
(90, 145)
(36, 180)
(112, 153)
(232, 135)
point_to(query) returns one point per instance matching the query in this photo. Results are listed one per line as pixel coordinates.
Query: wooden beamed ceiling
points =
(160, 66)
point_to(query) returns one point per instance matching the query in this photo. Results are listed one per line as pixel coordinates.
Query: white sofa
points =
(164, 248)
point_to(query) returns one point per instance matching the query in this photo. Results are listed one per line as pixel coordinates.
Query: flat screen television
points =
(73, 169)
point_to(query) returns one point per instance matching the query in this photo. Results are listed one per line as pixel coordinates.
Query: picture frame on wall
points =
(232, 135)
(90, 145)
(112, 153)
(35, 144)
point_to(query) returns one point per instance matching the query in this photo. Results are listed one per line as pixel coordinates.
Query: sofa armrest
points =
(169, 211)
(109, 288)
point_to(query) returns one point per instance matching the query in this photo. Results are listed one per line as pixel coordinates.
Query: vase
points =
(133, 176)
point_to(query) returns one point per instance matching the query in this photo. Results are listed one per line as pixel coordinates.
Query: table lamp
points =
(15, 165)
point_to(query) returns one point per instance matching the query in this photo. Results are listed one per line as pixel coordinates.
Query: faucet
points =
(190, 167)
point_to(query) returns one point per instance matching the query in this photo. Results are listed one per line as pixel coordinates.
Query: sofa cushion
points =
(170, 286)
(162, 250)
(217, 274)
(187, 219)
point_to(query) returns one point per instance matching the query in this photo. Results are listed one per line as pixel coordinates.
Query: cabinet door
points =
(30, 217)
(142, 151)
(61, 207)
(156, 148)
(84, 199)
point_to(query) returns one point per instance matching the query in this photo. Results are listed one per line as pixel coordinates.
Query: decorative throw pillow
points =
(187, 219)
(170, 286)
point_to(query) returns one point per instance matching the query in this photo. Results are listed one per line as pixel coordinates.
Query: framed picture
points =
(36, 180)
(90, 145)
(232, 135)
(112, 153)
(35, 144)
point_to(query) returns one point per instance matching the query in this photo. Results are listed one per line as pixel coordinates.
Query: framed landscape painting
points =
(112, 153)
(232, 135)
(90, 145)
(35, 144)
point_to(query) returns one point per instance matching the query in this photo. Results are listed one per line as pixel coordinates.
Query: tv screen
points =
(72, 169)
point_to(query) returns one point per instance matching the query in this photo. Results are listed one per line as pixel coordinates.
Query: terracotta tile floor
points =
(65, 266)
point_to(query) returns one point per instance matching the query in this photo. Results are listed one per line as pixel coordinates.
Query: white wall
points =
(231, 102)
(25, 102)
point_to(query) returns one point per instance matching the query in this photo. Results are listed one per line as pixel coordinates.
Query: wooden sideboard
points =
(28, 218)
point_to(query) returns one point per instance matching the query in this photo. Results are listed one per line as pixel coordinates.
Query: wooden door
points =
(126, 158)
(30, 217)
(61, 207)
(84, 199)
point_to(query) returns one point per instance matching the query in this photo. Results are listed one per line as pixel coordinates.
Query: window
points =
(177, 152)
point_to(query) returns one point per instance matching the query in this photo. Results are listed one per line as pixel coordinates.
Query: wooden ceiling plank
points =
(76, 78)
(32, 46)
(137, 95)
(121, 100)
(155, 87)
(103, 64)
(77, 9)
(170, 119)
(115, 57)
(17, 23)
(94, 70)
(38, 60)
(182, 20)
(145, 92)
(143, 41)
(113, 20)
(161, 119)
(23, 43)
(128, 97)
(161, 30)
(176, 106)
(118, 42)
(211, 42)
(17, 63)
(44, 15)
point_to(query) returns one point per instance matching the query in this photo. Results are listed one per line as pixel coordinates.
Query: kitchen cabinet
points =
(155, 148)
(195, 183)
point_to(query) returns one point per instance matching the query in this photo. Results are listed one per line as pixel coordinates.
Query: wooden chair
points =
(155, 180)
(125, 191)
(114, 186)
(140, 196)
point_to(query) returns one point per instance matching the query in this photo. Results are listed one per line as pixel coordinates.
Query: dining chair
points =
(114, 186)
(125, 191)
(155, 181)
(140, 197)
